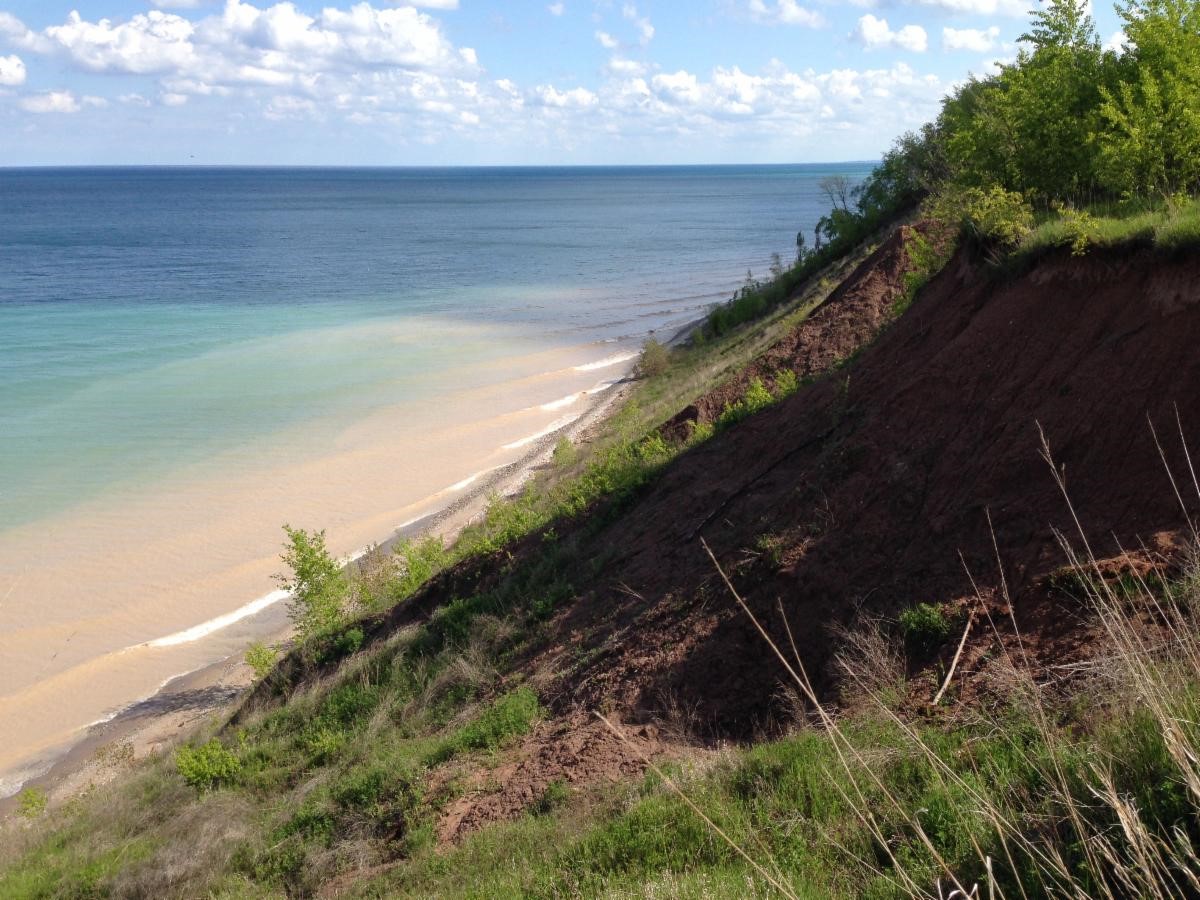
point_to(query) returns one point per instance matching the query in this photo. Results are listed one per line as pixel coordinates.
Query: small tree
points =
(837, 188)
(655, 359)
(801, 248)
(776, 265)
(317, 583)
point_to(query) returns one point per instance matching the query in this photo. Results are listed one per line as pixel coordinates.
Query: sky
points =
(482, 82)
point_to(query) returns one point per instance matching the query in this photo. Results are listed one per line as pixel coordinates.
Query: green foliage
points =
(924, 628)
(926, 259)
(786, 384)
(31, 803)
(701, 432)
(655, 359)
(316, 582)
(756, 398)
(1080, 228)
(261, 658)
(556, 795)
(509, 716)
(1151, 140)
(997, 216)
(206, 766)
(416, 563)
(565, 453)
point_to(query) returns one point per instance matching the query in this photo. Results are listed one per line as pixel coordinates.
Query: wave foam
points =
(196, 632)
(549, 429)
(615, 360)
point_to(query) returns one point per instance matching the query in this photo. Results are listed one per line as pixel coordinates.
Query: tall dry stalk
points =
(1116, 851)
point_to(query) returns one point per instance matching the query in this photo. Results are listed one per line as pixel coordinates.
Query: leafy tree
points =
(1151, 140)
(1029, 128)
(317, 583)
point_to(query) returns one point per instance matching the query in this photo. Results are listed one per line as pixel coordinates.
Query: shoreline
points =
(186, 701)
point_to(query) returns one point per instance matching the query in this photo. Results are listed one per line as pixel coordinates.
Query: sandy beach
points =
(91, 755)
(111, 602)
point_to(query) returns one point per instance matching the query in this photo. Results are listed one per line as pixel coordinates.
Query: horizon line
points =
(350, 166)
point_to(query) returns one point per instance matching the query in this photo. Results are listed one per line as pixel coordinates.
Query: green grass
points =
(1166, 225)
(794, 808)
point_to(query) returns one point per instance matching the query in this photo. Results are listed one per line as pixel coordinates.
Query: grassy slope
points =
(341, 786)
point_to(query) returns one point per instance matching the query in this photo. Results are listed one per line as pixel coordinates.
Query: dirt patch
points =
(575, 751)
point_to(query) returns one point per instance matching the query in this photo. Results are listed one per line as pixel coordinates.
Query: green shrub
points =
(1080, 228)
(786, 383)
(261, 658)
(565, 453)
(417, 562)
(925, 628)
(317, 583)
(701, 432)
(206, 766)
(347, 643)
(556, 794)
(31, 803)
(756, 398)
(998, 216)
(655, 359)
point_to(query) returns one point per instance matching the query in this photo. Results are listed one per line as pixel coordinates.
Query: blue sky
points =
(449, 82)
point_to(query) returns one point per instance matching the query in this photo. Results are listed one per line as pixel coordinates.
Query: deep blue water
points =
(149, 316)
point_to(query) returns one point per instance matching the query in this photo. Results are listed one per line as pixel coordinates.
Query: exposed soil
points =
(868, 485)
(876, 486)
(575, 750)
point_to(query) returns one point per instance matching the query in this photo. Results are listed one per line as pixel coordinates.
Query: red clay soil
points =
(849, 318)
(578, 750)
(868, 485)
(867, 491)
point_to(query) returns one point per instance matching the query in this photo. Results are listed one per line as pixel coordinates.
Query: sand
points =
(99, 753)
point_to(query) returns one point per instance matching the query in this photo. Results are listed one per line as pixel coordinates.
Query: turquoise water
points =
(150, 318)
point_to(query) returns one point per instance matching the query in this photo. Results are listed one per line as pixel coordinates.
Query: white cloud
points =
(606, 40)
(625, 67)
(245, 44)
(785, 12)
(150, 43)
(577, 98)
(1117, 42)
(177, 4)
(51, 102)
(974, 39)
(874, 33)
(1017, 9)
(12, 71)
(393, 69)
(556, 9)
(645, 29)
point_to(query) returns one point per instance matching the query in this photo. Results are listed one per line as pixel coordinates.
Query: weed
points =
(509, 716)
(555, 795)
(261, 658)
(206, 766)
(924, 628)
(31, 802)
